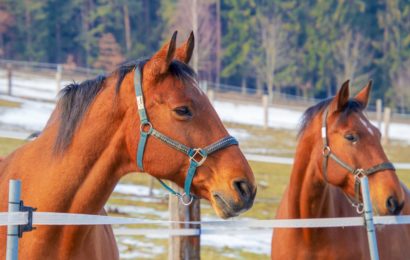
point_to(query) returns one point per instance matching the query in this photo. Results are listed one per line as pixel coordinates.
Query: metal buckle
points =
(197, 151)
(359, 173)
(184, 195)
(326, 151)
(146, 124)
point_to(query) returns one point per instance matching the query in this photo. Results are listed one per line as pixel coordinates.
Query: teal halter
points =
(197, 156)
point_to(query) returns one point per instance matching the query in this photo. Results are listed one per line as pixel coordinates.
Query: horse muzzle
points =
(227, 206)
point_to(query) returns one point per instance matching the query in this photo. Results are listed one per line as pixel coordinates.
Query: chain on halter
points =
(357, 172)
(197, 156)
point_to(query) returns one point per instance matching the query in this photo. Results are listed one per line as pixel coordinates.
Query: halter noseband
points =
(357, 172)
(197, 156)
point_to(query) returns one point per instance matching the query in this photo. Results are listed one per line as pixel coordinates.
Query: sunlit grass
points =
(7, 103)
(8, 145)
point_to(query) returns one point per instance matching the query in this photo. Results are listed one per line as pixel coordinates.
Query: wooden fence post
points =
(183, 247)
(211, 95)
(379, 110)
(203, 84)
(9, 78)
(387, 115)
(59, 74)
(265, 105)
(151, 186)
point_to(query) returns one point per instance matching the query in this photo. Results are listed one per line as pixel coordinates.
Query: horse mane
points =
(351, 106)
(75, 99)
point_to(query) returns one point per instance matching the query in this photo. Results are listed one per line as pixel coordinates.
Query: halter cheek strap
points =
(197, 156)
(357, 172)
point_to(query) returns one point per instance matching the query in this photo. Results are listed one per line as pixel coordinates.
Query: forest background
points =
(305, 48)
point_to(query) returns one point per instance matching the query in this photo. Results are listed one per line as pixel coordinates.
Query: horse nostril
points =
(393, 205)
(242, 187)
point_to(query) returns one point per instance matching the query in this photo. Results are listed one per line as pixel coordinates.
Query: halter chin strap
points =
(197, 156)
(357, 172)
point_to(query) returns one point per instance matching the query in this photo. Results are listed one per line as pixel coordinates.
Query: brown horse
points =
(322, 187)
(90, 142)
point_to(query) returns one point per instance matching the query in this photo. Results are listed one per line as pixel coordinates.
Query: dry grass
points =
(7, 103)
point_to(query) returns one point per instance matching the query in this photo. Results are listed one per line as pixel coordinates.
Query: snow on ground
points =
(137, 190)
(33, 116)
(31, 85)
(258, 242)
(253, 115)
(285, 118)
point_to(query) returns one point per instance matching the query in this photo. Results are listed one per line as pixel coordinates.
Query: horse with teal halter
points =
(197, 156)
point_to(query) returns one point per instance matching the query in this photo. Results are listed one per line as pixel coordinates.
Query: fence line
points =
(62, 74)
(17, 210)
(51, 218)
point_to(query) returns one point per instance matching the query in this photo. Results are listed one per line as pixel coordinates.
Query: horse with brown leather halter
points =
(337, 145)
(92, 140)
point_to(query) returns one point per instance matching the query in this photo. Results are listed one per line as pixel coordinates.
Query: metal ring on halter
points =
(144, 125)
(359, 207)
(359, 173)
(200, 152)
(326, 151)
(184, 195)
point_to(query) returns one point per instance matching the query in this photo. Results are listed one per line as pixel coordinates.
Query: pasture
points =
(131, 197)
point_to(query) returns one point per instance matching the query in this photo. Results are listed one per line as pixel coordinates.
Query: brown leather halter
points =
(357, 172)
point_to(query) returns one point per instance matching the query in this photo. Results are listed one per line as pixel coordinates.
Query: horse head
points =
(179, 110)
(352, 148)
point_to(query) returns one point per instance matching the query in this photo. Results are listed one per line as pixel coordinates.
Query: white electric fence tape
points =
(49, 218)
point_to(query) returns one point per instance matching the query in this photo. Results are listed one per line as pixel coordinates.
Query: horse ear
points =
(364, 95)
(342, 97)
(184, 53)
(159, 63)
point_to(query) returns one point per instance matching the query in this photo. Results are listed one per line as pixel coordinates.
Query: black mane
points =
(75, 99)
(351, 106)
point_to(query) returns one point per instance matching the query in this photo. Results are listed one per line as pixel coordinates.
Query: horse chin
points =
(222, 208)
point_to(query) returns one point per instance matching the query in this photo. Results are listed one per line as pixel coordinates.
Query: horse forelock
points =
(352, 106)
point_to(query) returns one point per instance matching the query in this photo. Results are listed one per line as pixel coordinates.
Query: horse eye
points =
(183, 111)
(351, 138)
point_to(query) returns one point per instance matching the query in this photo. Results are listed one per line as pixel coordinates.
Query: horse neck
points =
(308, 193)
(97, 156)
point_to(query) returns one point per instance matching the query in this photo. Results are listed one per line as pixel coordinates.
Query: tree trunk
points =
(58, 58)
(27, 24)
(218, 43)
(328, 90)
(243, 85)
(127, 28)
(194, 11)
(2, 49)
(259, 86)
(270, 88)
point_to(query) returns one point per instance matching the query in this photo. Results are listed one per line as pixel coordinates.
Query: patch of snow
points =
(259, 243)
(34, 115)
(31, 116)
(253, 115)
(240, 134)
(137, 211)
(138, 190)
